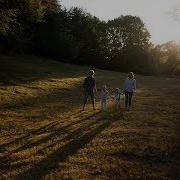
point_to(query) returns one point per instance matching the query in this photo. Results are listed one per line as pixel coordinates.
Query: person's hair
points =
(91, 73)
(104, 87)
(130, 75)
(117, 90)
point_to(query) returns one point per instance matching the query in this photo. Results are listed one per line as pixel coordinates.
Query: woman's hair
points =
(130, 75)
(91, 73)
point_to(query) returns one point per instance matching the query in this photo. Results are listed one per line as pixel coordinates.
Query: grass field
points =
(45, 135)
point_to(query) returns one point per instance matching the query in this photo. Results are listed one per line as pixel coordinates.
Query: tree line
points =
(44, 27)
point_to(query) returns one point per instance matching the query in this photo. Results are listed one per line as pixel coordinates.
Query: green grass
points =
(44, 134)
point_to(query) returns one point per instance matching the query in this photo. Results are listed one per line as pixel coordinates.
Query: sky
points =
(159, 16)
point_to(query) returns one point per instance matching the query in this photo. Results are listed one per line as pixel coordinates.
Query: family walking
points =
(90, 90)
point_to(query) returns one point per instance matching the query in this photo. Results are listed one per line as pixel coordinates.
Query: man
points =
(89, 88)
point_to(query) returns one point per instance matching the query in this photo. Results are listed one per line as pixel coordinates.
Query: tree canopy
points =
(43, 27)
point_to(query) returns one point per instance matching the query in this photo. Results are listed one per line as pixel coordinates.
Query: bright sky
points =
(156, 14)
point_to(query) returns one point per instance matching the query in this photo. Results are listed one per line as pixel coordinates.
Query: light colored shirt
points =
(130, 85)
(104, 94)
(117, 95)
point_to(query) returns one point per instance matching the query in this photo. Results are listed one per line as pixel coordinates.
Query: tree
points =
(85, 29)
(20, 20)
(42, 27)
(128, 43)
(169, 57)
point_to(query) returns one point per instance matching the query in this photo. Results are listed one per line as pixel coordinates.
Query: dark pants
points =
(88, 94)
(128, 99)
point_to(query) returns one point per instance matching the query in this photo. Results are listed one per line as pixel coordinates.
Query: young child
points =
(104, 96)
(117, 98)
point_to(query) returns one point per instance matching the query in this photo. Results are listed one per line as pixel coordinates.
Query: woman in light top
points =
(129, 89)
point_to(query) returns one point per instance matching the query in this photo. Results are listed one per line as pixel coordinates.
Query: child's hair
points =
(130, 75)
(104, 87)
(117, 90)
(91, 72)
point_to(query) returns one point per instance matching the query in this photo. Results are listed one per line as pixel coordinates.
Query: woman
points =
(129, 89)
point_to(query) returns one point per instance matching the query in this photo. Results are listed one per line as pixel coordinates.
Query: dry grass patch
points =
(44, 133)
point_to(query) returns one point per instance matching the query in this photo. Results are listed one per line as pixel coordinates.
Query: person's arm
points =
(134, 85)
(121, 92)
(100, 94)
(112, 96)
(124, 86)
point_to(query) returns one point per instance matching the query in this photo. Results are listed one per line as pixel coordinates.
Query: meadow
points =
(45, 135)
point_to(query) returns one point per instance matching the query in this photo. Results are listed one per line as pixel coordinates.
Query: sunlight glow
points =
(158, 15)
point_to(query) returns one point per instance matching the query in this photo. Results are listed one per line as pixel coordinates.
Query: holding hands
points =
(104, 94)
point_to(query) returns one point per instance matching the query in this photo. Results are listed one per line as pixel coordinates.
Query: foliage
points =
(127, 43)
(42, 27)
(167, 57)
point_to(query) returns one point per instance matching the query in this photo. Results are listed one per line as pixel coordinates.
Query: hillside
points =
(44, 133)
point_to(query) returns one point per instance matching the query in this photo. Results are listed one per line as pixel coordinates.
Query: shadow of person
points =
(51, 162)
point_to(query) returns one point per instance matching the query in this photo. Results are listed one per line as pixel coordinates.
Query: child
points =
(104, 96)
(117, 98)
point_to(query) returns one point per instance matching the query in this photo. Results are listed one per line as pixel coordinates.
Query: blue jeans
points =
(88, 94)
(128, 99)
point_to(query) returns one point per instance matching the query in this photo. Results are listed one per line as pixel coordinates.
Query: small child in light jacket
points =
(117, 98)
(104, 96)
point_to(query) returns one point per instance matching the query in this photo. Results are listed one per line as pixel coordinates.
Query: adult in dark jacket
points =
(89, 89)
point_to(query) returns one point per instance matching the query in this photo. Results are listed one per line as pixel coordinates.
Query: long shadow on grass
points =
(51, 162)
(33, 132)
(54, 132)
(48, 103)
(8, 163)
(57, 132)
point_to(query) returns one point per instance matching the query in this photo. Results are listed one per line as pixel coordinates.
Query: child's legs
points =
(103, 105)
(118, 104)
